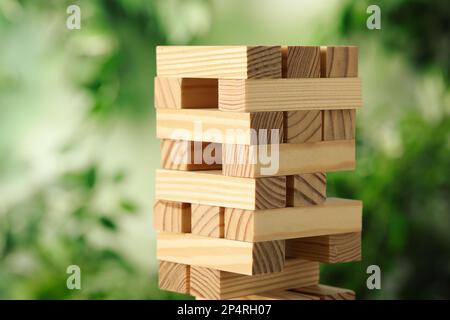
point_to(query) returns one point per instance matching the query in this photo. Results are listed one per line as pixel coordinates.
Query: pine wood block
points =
(303, 62)
(214, 284)
(306, 189)
(334, 216)
(327, 249)
(225, 62)
(324, 292)
(174, 277)
(278, 295)
(207, 220)
(292, 159)
(339, 124)
(303, 126)
(180, 93)
(190, 155)
(212, 125)
(170, 216)
(221, 254)
(214, 189)
(257, 95)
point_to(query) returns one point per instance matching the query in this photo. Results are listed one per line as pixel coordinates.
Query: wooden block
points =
(221, 254)
(225, 62)
(212, 125)
(174, 277)
(339, 124)
(190, 155)
(207, 220)
(180, 93)
(310, 157)
(257, 95)
(327, 249)
(303, 62)
(303, 126)
(278, 295)
(339, 61)
(306, 189)
(334, 216)
(214, 284)
(169, 216)
(324, 292)
(214, 189)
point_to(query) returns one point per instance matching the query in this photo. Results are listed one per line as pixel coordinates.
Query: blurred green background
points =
(78, 149)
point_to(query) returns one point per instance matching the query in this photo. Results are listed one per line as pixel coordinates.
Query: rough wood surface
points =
(324, 292)
(334, 216)
(170, 216)
(310, 157)
(303, 126)
(326, 249)
(190, 155)
(303, 62)
(174, 277)
(225, 62)
(212, 125)
(306, 189)
(207, 220)
(221, 254)
(213, 284)
(339, 124)
(256, 95)
(213, 188)
(180, 93)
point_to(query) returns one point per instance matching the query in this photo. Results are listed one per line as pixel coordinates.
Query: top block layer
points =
(225, 62)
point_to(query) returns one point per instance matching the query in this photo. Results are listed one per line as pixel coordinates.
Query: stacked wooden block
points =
(231, 228)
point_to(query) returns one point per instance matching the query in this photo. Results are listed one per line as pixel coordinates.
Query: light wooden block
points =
(257, 95)
(207, 220)
(221, 254)
(190, 155)
(339, 124)
(180, 93)
(174, 277)
(170, 216)
(225, 62)
(278, 295)
(310, 157)
(306, 189)
(303, 62)
(327, 249)
(212, 125)
(324, 292)
(214, 189)
(303, 126)
(214, 284)
(334, 216)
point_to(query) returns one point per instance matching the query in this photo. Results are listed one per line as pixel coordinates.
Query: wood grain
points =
(189, 155)
(334, 216)
(207, 220)
(327, 249)
(306, 189)
(324, 292)
(310, 157)
(339, 124)
(257, 95)
(303, 126)
(221, 254)
(225, 62)
(303, 62)
(214, 284)
(170, 216)
(180, 93)
(174, 277)
(212, 125)
(214, 189)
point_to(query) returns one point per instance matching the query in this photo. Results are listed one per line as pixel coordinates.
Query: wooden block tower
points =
(248, 135)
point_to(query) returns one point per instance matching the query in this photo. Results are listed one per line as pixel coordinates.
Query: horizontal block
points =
(226, 62)
(334, 216)
(291, 159)
(213, 125)
(181, 93)
(170, 216)
(214, 189)
(174, 277)
(190, 155)
(326, 249)
(214, 284)
(256, 95)
(221, 254)
(324, 292)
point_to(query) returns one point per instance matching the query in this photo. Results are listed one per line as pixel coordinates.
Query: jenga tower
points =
(248, 135)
